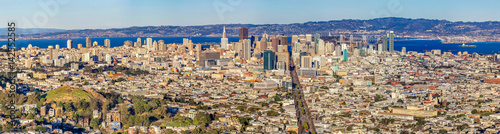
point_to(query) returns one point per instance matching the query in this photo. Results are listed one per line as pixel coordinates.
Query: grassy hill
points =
(70, 94)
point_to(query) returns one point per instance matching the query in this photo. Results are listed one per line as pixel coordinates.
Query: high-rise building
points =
(284, 40)
(275, 41)
(263, 44)
(309, 37)
(107, 43)
(320, 47)
(246, 49)
(80, 46)
(380, 48)
(351, 39)
(69, 44)
(243, 33)
(295, 38)
(138, 43)
(306, 62)
(391, 41)
(224, 41)
(345, 55)
(95, 44)
(316, 43)
(403, 50)
(284, 59)
(269, 60)
(205, 56)
(384, 43)
(88, 42)
(51, 52)
(149, 43)
(253, 40)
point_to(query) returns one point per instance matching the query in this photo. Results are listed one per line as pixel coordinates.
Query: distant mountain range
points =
(401, 26)
(27, 31)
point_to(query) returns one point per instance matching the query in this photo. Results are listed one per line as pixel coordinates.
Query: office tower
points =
(80, 46)
(309, 37)
(51, 52)
(302, 37)
(57, 46)
(338, 50)
(362, 52)
(161, 45)
(284, 40)
(320, 47)
(108, 58)
(86, 57)
(384, 43)
(344, 49)
(351, 39)
(69, 44)
(155, 46)
(316, 38)
(224, 41)
(243, 33)
(391, 41)
(149, 43)
(205, 56)
(284, 59)
(138, 43)
(403, 50)
(275, 42)
(246, 49)
(306, 62)
(263, 43)
(330, 47)
(269, 60)
(296, 47)
(127, 43)
(107, 43)
(253, 40)
(345, 55)
(295, 38)
(88, 42)
(341, 39)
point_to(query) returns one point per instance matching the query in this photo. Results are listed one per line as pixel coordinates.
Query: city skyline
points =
(75, 14)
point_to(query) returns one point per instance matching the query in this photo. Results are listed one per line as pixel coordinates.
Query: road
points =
(303, 114)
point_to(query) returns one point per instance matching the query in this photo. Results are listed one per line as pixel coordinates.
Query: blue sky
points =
(93, 14)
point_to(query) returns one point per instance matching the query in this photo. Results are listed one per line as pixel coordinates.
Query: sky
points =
(104, 14)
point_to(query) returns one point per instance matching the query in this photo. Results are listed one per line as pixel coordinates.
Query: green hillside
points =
(70, 94)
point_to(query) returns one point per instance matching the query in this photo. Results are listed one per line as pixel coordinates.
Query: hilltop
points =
(67, 94)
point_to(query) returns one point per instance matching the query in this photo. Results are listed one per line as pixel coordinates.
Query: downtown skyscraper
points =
(391, 41)
(224, 40)
(243, 33)
(269, 60)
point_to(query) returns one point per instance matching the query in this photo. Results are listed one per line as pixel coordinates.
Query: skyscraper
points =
(283, 58)
(88, 42)
(403, 50)
(391, 41)
(284, 40)
(107, 43)
(243, 33)
(69, 44)
(306, 62)
(275, 42)
(263, 44)
(223, 40)
(149, 43)
(309, 37)
(246, 49)
(138, 43)
(269, 60)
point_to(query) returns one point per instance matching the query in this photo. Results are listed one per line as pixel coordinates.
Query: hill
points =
(67, 94)
(402, 26)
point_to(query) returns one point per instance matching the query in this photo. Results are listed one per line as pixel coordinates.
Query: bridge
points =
(304, 122)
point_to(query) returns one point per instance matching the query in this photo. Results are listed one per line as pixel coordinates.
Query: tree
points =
(349, 128)
(94, 123)
(40, 129)
(474, 111)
